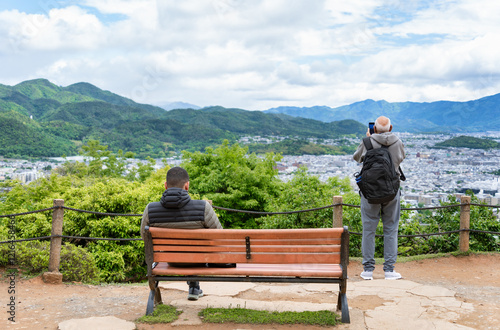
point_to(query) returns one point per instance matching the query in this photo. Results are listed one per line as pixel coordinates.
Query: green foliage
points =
(300, 147)
(448, 219)
(468, 142)
(105, 163)
(306, 191)
(303, 192)
(65, 130)
(117, 261)
(19, 135)
(231, 178)
(32, 257)
(250, 316)
(143, 171)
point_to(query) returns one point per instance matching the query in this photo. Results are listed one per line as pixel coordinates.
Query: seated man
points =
(176, 209)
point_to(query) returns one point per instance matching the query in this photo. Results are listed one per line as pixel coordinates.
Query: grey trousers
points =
(370, 217)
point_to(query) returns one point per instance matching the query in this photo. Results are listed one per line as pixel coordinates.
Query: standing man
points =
(176, 209)
(388, 211)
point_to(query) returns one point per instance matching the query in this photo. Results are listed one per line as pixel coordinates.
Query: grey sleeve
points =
(144, 221)
(211, 219)
(360, 153)
(399, 154)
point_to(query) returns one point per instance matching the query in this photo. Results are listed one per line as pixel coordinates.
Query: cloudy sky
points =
(257, 54)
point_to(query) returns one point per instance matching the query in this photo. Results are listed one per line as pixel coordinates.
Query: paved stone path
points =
(377, 304)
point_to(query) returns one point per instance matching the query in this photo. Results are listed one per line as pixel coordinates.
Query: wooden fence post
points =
(337, 212)
(53, 276)
(464, 223)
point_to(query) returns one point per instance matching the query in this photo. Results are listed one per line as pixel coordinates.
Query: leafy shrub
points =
(448, 219)
(76, 264)
(230, 178)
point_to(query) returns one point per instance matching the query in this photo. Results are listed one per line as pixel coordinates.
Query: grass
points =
(161, 314)
(168, 314)
(250, 316)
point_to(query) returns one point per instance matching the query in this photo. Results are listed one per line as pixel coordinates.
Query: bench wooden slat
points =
(289, 241)
(264, 258)
(242, 233)
(323, 270)
(241, 248)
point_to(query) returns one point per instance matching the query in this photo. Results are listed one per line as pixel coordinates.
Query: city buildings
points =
(432, 174)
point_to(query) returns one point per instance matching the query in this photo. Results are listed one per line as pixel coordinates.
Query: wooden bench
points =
(261, 255)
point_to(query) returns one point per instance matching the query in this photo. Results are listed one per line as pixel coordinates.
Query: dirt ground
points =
(475, 279)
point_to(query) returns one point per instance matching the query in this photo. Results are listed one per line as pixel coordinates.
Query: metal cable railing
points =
(240, 211)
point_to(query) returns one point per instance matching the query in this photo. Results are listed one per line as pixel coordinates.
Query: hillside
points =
(443, 116)
(301, 147)
(40, 119)
(468, 142)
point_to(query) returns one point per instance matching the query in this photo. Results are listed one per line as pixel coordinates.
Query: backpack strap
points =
(402, 176)
(367, 141)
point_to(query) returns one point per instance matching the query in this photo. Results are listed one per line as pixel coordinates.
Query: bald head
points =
(383, 124)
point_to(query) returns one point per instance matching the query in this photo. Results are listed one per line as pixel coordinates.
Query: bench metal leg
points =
(345, 308)
(342, 303)
(154, 297)
(151, 305)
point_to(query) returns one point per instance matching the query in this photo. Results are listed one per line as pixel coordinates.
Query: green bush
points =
(77, 264)
(227, 175)
(448, 219)
(32, 257)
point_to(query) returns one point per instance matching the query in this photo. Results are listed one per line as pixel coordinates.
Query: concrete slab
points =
(97, 323)
(212, 288)
(432, 291)
(400, 304)
(189, 317)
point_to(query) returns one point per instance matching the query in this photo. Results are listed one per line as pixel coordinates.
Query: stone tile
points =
(97, 323)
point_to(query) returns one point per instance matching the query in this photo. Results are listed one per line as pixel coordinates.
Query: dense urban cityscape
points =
(432, 174)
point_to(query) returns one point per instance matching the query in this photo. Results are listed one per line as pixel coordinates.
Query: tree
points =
(306, 191)
(303, 192)
(448, 219)
(105, 163)
(232, 178)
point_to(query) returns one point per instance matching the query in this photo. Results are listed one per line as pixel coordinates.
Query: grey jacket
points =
(396, 148)
(175, 202)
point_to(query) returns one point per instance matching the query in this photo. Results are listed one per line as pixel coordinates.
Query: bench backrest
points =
(263, 246)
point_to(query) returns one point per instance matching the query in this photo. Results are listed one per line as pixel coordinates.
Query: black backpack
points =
(378, 180)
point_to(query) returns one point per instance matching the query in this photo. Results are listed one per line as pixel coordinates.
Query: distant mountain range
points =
(441, 116)
(178, 105)
(39, 118)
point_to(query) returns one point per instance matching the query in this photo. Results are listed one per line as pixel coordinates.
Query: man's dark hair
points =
(177, 177)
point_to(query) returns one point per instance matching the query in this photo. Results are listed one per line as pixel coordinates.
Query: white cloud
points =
(264, 53)
(61, 29)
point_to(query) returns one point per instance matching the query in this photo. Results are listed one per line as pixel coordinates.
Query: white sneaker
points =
(392, 275)
(366, 275)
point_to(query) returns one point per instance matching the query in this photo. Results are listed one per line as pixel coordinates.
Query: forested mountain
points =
(441, 116)
(468, 142)
(38, 118)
